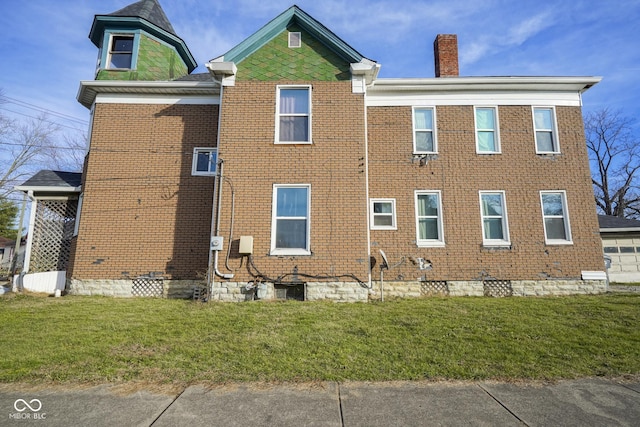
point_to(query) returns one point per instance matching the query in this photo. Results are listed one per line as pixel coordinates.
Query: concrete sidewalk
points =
(585, 402)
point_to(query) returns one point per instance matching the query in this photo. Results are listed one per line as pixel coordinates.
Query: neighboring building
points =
(7, 249)
(470, 185)
(621, 243)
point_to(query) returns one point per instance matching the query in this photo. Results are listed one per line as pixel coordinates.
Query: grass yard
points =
(94, 340)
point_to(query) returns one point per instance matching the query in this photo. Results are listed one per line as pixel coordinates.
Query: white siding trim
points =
(155, 99)
(399, 99)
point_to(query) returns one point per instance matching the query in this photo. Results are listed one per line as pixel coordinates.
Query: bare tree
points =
(29, 145)
(614, 153)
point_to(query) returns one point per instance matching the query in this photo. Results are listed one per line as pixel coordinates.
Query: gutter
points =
(579, 84)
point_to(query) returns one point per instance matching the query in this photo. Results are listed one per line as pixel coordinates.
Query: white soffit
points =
(113, 98)
(143, 92)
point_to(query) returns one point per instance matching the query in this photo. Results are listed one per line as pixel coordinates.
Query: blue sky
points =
(45, 51)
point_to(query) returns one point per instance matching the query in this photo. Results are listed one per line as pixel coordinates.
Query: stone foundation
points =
(341, 291)
(401, 289)
(122, 288)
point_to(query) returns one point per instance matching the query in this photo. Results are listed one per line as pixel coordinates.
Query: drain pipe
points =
(217, 231)
(212, 266)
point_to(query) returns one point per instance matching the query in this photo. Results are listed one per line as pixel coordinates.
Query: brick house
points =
(290, 170)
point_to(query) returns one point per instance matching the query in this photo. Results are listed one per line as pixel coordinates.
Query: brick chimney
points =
(445, 50)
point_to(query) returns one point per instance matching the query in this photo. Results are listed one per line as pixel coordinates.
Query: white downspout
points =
(366, 178)
(212, 266)
(217, 230)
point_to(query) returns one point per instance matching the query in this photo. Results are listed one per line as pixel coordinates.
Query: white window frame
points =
(565, 216)
(495, 130)
(274, 221)
(553, 130)
(505, 241)
(428, 243)
(110, 50)
(372, 216)
(432, 130)
(293, 42)
(309, 115)
(194, 164)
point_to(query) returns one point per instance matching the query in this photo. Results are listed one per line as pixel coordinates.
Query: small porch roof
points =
(52, 183)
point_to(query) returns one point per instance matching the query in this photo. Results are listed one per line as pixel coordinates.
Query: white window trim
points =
(194, 162)
(424, 243)
(496, 131)
(110, 51)
(433, 131)
(277, 135)
(565, 214)
(292, 39)
(274, 207)
(554, 130)
(393, 225)
(505, 221)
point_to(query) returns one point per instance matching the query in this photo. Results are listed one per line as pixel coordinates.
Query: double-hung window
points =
(120, 51)
(429, 219)
(383, 214)
(493, 210)
(555, 216)
(487, 136)
(204, 161)
(424, 132)
(290, 226)
(544, 123)
(293, 121)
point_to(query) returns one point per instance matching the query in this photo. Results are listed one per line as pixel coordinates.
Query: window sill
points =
(293, 142)
(505, 246)
(203, 174)
(290, 252)
(558, 242)
(430, 244)
(384, 228)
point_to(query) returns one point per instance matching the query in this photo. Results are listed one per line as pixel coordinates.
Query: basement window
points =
(295, 39)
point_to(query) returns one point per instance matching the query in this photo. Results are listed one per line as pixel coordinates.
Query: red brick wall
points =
(333, 165)
(445, 49)
(460, 174)
(142, 210)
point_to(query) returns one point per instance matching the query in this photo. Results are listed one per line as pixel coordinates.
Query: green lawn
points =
(159, 341)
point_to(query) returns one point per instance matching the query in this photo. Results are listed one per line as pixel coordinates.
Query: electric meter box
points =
(216, 243)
